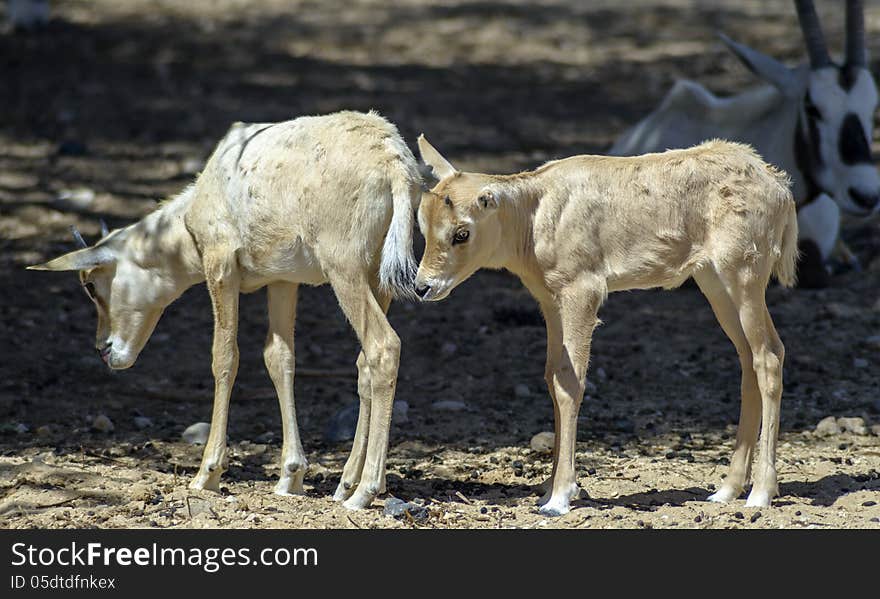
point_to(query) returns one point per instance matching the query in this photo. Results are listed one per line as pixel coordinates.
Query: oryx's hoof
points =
(287, 486)
(344, 491)
(724, 495)
(759, 498)
(359, 500)
(209, 481)
(555, 508)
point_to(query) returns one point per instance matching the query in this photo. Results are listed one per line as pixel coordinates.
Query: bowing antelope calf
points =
(815, 121)
(312, 200)
(577, 229)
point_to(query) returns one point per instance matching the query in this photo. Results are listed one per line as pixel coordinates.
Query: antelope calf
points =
(312, 200)
(576, 229)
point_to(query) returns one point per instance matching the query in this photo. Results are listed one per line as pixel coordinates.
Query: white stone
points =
(197, 434)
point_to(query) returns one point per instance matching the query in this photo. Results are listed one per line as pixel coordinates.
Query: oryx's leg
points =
(578, 306)
(554, 354)
(768, 354)
(727, 314)
(351, 472)
(222, 278)
(381, 347)
(278, 354)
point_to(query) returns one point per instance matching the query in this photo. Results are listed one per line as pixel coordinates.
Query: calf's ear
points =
(83, 259)
(430, 156)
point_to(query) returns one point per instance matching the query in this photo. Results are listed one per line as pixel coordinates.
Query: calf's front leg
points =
(223, 286)
(578, 306)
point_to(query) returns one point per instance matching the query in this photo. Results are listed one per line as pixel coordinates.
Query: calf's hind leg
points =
(768, 354)
(279, 357)
(363, 307)
(727, 313)
(354, 466)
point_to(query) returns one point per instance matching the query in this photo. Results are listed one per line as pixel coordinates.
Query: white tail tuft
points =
(397, 270)
(785, 268)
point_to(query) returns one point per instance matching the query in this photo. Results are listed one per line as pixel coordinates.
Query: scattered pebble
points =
(197, 434)
(522, 390)
(518, 467)
(448, 405)
(876, 429)
(142, 422)
(543, 442)
(828, 426)
(44, 431)
(755, 517)
(342, 426)
(448, 348)
(398, 508)
(102, 424)
(21, 428)
(81, 198)
(400, 412)
(601, 374)
(855, 426)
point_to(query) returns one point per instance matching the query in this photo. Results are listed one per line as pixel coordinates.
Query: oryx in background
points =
(814, 121)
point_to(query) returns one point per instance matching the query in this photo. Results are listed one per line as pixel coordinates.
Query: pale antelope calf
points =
(312, 200)
(576, 229)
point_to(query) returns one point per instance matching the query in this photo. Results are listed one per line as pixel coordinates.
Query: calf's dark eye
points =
(460, 236)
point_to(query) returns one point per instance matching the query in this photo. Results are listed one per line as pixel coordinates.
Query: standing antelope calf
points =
(576, 229)
(312, 200)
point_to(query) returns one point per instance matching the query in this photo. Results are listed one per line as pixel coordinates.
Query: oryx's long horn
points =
(78, 237)
(105, 230)
(812, 31)
(856, 54)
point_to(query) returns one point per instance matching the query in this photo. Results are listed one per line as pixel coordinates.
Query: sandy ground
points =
(116, 105)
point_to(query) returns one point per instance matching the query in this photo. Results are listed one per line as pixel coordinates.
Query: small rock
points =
(876, 429)
(522, 390)
(449, 405)
(400, 412)
(197, 434)
(142, 422)
(102, 424)
(448, 348)
(838, 310)
(21, 428)
(81, 198)
(755, 517)
(397, 508)
(827, 427)
(855, 426)
(601, 374)
(265, 438)
(543, 442)
(44, 431)
(873, 341)
(518, 468)
(343, 424)
(860, 363)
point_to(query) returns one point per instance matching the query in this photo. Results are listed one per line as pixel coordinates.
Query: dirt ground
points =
(116, 105)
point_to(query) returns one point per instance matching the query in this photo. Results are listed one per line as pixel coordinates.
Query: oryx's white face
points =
(128, 296)
(833, 139)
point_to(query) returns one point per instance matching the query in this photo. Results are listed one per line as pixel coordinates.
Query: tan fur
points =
(313, 200)
(576, 229)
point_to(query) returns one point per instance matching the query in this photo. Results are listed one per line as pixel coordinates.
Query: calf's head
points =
(459, 220)
(129, 293)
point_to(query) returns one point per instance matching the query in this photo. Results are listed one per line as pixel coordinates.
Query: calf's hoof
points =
(759, 498)
(206, 481)
(360, 500)
(555, 508)
(344, 491)
(289, 486)
(724, 495)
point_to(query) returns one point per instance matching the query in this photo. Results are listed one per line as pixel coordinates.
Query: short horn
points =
(856, 54)
(77, 236)
(812, 30)
(105, 230)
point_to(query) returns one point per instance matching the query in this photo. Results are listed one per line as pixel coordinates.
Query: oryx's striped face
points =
(836, 126)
